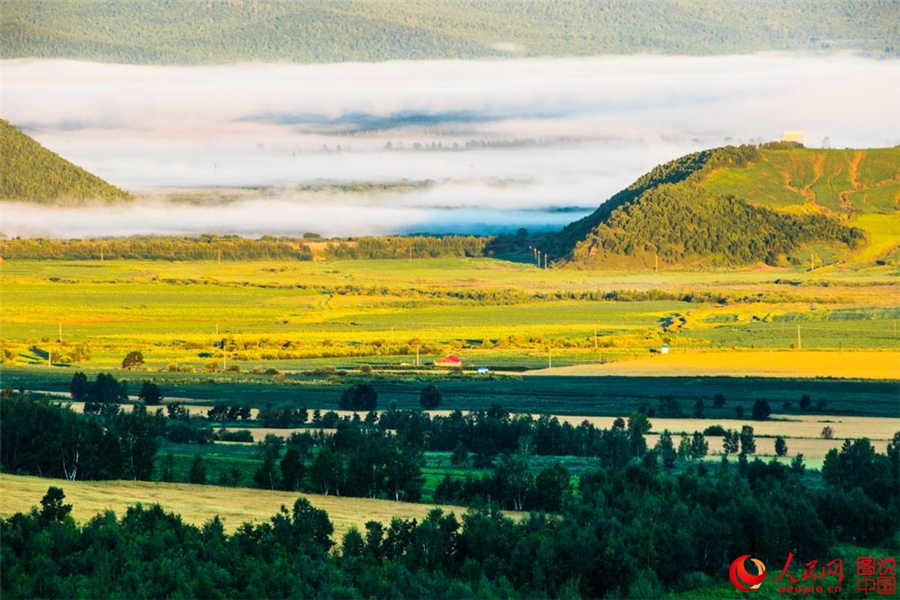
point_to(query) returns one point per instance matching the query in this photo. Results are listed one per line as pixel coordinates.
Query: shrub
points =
(133, 360)
(430, 397)
(361, 396)
(242, 435)
(761, 410)
(150, 394)
(714, 430)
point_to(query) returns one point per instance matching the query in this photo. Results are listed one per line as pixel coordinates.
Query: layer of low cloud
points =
(507, 135)
(255, 217)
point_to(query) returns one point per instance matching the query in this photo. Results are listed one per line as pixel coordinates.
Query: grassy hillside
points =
(778, 203)
(186, 31)
(32, 173)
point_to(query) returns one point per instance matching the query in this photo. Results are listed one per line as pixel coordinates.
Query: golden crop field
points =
(811, 448)
(199, 503)
(789, 426)
(750, 363)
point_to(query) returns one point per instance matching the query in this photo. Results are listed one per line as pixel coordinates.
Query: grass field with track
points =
(199, 503)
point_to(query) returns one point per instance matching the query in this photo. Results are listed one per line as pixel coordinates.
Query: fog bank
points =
(520, 138)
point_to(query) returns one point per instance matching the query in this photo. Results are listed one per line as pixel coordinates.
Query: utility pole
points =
(549, 357)
(417, 355)
(101, 253)
(799, 343)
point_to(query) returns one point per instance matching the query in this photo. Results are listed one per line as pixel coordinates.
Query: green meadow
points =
(297, 315)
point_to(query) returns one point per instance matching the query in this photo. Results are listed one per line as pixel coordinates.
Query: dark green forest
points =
(218, 31)
(641, 521)
(30, 172)
(632, 532)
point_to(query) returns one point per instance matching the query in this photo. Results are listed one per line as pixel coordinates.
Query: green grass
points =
(877, 167)
(884, 235)
(760, 183)
(779, 180)
(564, 395)
(170, 311)
(879, 200)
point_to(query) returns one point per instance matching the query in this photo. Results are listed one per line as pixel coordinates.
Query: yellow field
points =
(198, 503)
(856, 365)
(789, 426)
(811, 449)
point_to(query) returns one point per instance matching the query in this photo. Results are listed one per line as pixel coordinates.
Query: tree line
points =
(152, 247)
(409, 247)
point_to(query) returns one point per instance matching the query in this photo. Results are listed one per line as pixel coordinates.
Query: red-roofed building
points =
(448, 361)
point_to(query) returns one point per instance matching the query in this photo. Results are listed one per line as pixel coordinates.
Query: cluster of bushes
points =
(418, 246)
(40, 438)
(354, 461)
(511, 486)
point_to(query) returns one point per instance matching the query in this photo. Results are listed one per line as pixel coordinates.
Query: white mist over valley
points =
(413, 146)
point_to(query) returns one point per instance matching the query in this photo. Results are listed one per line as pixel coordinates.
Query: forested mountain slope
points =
(217, 31)
(29, 172)
(776, 203)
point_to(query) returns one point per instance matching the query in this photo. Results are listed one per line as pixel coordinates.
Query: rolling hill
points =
(31, 173)
(186, 31)
(779, 203)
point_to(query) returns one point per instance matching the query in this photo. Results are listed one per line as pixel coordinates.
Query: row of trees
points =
(204, 247)
(106, 390)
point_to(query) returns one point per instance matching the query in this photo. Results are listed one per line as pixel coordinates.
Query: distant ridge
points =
(31, 173)
(315, 31)
(779, 204)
